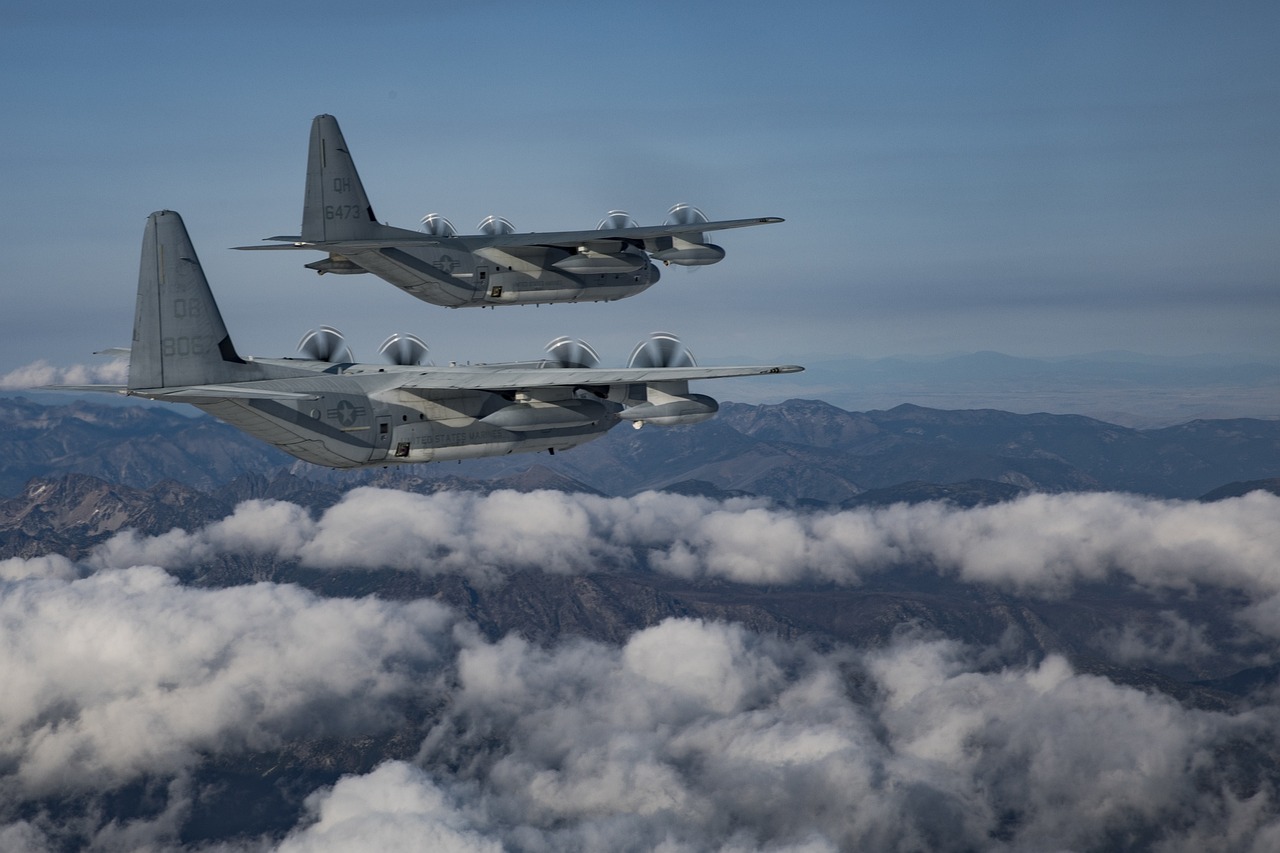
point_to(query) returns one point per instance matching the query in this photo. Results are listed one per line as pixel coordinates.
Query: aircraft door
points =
(481, 280)
(381, 437)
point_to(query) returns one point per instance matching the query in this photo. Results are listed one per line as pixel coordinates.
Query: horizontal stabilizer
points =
(268, 390)
(276, 247)
(201, 392)
(105, 389)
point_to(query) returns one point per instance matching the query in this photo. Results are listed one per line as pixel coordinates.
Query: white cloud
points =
(700, 736)
(448, 532)
(262, 527)
(456, 532)
(40, 373)
(691, 735)
(273, 528)
(1034, 740)
(396, 807)
(125, 673)
(23, 837)
(54, 566)
(1041, 545)
(128, 548)
(707, 665)
(1044, 544)
(1264, 615)
(1166, 638)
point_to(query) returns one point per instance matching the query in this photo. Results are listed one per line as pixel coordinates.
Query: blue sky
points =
(1033, 178)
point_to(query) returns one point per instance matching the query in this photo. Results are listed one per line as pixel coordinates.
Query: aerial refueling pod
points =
(600, 257)
(691, 249)
(587, 261)
(525, 417)
(674, 250)
(670, 410)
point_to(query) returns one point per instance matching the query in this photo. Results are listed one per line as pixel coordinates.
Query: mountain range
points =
(799, 451)
(1126, 388)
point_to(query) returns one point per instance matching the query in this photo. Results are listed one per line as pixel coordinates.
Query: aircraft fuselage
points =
(493, 276)
(354, 421)
(496, 266)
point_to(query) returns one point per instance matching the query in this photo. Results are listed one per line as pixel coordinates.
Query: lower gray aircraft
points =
(497, 266)
(329, 410)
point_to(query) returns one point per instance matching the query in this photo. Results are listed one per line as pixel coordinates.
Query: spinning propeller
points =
(437, 226)
(685, 214)
(404, 349)
(616, 219)
(494, 225)
(326, 344)
(568, 352)
(661, 349)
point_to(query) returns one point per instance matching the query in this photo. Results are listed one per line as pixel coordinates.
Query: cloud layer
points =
(40, 373)
(126, 675)
(691, 735)
(702, 736)
(1040, 545)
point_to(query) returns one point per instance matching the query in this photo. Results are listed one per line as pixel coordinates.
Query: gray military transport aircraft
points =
(329, 410)
(497, 266)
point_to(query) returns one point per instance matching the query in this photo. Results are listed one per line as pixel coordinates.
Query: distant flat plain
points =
(1129, 389)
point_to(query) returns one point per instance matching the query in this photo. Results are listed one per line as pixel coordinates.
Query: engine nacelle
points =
(693, 409)
(525, 417)
(337, 265)
(687, 254)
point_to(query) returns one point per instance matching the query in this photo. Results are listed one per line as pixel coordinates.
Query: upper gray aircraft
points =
(497, 266)
(330, 410)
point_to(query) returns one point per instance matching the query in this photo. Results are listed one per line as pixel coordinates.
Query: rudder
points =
(335, 206)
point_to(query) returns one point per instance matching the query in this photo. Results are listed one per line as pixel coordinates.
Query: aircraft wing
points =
(481, 378)
(474, 378)
(637, 234)
(403, 238)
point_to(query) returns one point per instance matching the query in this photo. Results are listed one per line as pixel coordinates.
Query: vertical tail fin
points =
(178, 334)
(335, 207)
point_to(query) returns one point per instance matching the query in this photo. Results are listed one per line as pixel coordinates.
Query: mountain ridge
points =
(797, 451)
